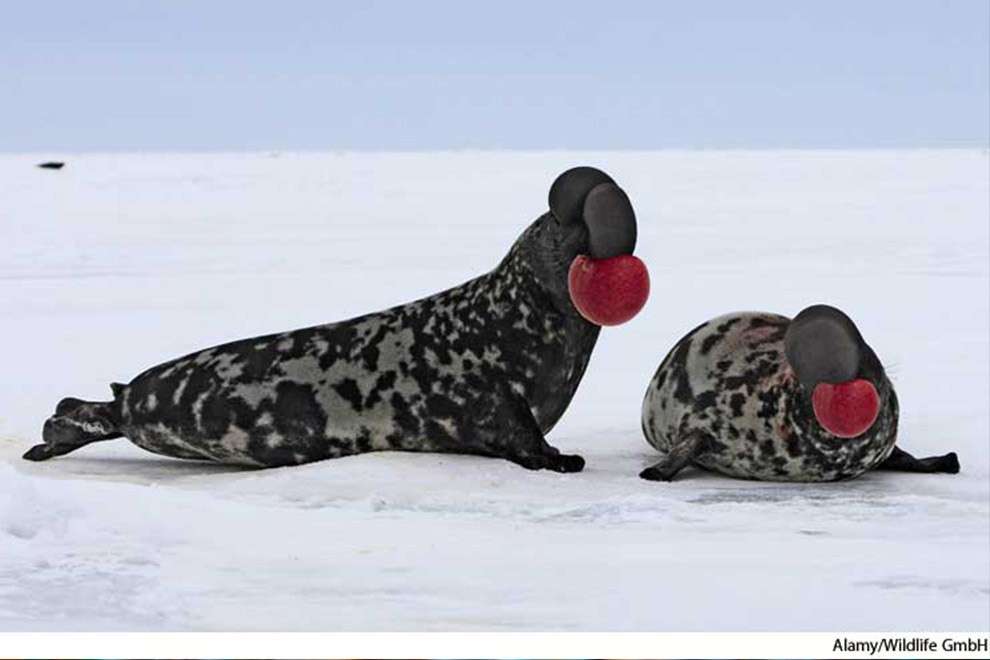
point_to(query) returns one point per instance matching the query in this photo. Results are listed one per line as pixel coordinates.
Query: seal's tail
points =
(75, 424)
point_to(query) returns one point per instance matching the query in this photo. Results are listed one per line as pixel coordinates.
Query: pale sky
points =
(426, 74)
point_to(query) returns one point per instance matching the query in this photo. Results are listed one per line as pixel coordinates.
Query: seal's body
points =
(485, 368)
(728, 398)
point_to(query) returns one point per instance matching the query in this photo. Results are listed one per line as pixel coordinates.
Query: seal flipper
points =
(76, 423)
(681, 454)
(513, 433)
(902, 461)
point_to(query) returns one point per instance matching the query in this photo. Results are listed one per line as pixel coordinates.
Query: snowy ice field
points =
(119, 262)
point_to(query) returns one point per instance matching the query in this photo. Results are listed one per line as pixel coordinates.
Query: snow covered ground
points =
(119, 262)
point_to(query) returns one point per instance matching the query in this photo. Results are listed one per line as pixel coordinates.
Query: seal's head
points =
(594, 227)
(836, 369)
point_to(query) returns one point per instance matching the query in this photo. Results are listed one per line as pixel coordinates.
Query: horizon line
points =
(271, 151)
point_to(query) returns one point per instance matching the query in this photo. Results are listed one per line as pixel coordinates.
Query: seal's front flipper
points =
(902, 461)
(679, 456)
(530, 449)
(514, 434)
(548, 461)
(76, 423)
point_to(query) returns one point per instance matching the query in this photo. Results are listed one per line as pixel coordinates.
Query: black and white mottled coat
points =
(726, 399)
(485, 368)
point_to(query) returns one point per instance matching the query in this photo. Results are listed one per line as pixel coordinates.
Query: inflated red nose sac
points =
(846, 409)
(608, 291)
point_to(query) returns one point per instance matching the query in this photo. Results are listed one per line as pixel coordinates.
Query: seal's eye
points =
(846, 409)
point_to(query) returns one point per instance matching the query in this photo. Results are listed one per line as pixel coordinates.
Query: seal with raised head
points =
(485, 368)
(759, 396)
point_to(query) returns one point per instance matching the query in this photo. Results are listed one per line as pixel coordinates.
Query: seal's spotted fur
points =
(726, 399)
(484, 368)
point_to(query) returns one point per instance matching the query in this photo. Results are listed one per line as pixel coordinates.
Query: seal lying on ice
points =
(485, 368)
(759, 396)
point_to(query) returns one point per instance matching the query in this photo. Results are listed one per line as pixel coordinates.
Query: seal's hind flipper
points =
(76, 423)
(902, 461)
(679, 456)
(43, 452)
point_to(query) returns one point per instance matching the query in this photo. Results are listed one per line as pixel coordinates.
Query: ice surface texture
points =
(119, 260)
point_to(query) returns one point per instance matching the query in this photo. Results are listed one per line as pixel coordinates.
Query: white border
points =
(465, 645)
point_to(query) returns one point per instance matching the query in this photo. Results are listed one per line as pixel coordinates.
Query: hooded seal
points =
(759, 396)
(485, 368)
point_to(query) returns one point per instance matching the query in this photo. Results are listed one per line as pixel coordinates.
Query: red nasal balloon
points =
(846, 409)
(608, 291)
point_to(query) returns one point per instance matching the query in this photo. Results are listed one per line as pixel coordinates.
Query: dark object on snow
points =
(51, 165)
(486, 368)
(760, 396)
